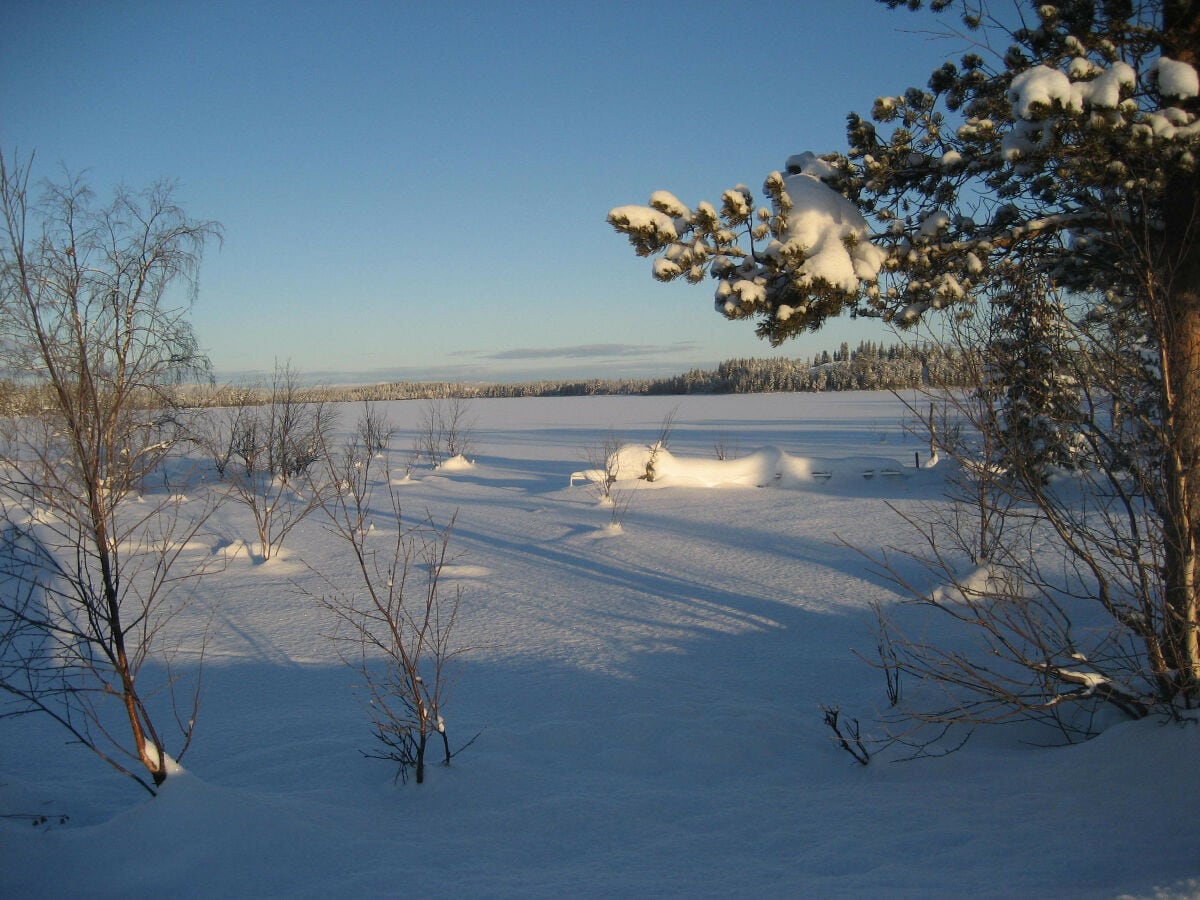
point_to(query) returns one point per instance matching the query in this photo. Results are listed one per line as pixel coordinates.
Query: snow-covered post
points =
(933, 444)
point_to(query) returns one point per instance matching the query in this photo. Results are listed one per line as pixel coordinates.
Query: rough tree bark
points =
(1177, 273)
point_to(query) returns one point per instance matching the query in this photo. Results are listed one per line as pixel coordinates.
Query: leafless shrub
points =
(1051, 573)
(979, 492)
(725, 447)
(1050, 587)
(1026, 646)
(277, 447)
(604, 477)
(219, 431)
(666, 427)
(889, 661)
(446, 430)
(63, 655)
(605, 463)
(396, 621)
(374, 432)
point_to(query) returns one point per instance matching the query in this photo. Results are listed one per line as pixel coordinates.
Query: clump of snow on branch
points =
(668, 204)
(1092, 87)
(829, 233)
(645, 226)
(1040, 93)
(1040, 86)
(1176, 79)
(812, 239)
(934, 223)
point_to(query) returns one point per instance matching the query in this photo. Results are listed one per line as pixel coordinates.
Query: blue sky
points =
(419, 190)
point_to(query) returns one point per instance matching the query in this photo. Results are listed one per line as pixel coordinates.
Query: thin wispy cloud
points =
(592, 351)
(515, 364)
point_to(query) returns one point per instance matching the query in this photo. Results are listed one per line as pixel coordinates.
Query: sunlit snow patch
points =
(456, 464)
(767, 466)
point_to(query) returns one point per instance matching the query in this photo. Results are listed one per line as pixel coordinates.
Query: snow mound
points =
(763, 467)
(456, 464)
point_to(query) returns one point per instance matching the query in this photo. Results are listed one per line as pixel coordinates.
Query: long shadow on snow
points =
(698, 608)
(611, 571)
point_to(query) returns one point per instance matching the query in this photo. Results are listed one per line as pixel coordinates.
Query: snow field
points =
(646, 703)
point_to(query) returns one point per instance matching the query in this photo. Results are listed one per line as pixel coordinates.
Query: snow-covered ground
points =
(647, 701)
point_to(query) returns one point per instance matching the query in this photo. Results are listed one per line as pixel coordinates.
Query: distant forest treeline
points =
(869, 367)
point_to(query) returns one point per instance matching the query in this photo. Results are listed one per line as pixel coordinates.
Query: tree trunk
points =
(1181, 476)
(1179, 281)
(154, 762)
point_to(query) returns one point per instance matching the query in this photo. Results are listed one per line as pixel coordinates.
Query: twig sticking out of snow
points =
(851, 740)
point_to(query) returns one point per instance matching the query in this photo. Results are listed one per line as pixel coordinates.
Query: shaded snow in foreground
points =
(648, 702)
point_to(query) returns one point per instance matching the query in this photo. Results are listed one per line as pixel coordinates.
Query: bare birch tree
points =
(93, 314)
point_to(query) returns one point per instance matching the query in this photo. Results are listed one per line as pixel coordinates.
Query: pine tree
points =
(1058, 169)
(1031, 383)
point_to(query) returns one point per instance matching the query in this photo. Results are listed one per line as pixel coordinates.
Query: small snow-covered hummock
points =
(457, 463)
(768, 466)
